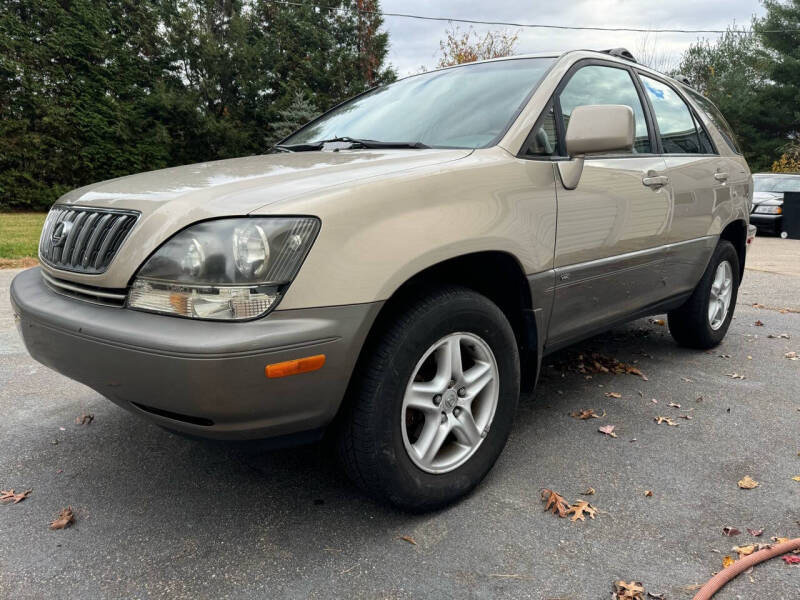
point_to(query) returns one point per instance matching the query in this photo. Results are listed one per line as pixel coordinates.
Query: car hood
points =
(241, 185)
(171, 199)
(767, 198)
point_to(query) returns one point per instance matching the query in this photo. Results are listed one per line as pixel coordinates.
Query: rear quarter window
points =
(713, 114)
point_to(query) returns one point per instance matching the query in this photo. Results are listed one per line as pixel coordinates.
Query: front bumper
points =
(770, 223)
(203, 378)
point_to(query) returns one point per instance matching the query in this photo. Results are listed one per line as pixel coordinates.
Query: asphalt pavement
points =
(160, 516)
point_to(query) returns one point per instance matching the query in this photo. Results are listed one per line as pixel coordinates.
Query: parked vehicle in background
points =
(768, 190)
(397, 269)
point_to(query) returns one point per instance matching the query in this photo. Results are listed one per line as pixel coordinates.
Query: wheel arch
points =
(498, 275)
(736, 233)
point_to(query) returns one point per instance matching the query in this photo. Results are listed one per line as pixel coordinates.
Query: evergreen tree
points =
(293, 117)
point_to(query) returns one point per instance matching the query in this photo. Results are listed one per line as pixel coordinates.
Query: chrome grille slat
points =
(114, 298)
(83, 239)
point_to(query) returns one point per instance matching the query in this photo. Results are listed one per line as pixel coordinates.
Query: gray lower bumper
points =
(204, 378)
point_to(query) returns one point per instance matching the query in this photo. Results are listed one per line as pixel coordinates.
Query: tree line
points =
(96, 89)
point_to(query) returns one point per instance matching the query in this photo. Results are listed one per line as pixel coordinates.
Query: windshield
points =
(776, 183)
(469, 106)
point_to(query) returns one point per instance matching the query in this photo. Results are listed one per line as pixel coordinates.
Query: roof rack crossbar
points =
(620, 53)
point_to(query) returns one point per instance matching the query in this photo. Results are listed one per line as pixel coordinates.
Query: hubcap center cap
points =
(449, 400)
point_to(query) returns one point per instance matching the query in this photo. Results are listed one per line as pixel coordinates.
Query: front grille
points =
(84, 240)
(105, 296)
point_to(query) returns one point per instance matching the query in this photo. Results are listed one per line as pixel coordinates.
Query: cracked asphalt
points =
(160, 516)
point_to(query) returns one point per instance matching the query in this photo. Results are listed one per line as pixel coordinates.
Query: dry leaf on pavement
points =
(659, 322)
(773, 336)
(792, 356)
(747, 483)
(747, 550)
(755, 532)
(84, 419)
(666, 420)
(586, 413)
(65, 518)
(588, 492)
(791, 559)
(555, 502)
(613, 395)
(10, 496)
(759, 324)
(735, 376)
(730, 531)
(674, 405)
(633, 590)
(409, 539)
(608, 430)
(581, 508)
(648, 493)
(796, 478)
(727, 561)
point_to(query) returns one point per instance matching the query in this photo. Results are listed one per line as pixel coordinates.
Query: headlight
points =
(768, 209)
(228, 269)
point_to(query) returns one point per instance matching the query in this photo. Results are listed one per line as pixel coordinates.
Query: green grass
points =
(19, 234)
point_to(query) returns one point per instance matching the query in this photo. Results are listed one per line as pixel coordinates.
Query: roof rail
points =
(683, 79)
(620, 53)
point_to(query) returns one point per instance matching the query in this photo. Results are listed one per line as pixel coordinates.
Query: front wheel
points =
(703, 320)
(434, 402)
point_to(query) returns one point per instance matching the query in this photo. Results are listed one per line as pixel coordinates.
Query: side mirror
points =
(595, 128)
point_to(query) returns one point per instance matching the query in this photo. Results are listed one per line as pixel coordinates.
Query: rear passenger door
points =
(698, 183)
(612, 229)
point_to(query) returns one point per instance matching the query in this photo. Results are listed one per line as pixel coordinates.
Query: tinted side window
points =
(543, 140)
(712, 112)
(605, 85)
(705, 142)
(675, 121)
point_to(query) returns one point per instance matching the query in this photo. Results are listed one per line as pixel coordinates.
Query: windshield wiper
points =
(354, 143)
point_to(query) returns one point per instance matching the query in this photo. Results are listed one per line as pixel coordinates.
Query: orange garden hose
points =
(720, 579)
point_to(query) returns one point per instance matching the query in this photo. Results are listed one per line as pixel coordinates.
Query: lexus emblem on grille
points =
(60, 233)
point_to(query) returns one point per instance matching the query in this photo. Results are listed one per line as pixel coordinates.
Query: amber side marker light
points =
(295, 367)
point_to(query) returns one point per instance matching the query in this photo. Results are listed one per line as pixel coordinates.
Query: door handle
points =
(655, 181)
(720, 176)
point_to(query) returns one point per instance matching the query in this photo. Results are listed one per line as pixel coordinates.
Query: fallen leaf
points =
(674, 405)
(687, 379)
(747, 483)
(779, 540)
(791, 559)
(588, 492)
(792, 356)
(409, 539)
(735, 376)
(727, 561)
(654, 596)
(755, 532)
(665, 420)
(758, 324)
(555, 503)
(613, 395)
(581, 508)
(65, 518)
(635, 371)
(586, 413)
(84, 419)
(659, 322)
(608, 430)
(648, 493)
(730, 531)
(724, 355)
(747, 550)
(687, 417)
(784, 336)
(10, 496)
(796, 478)
(628, 591)
(653, 400)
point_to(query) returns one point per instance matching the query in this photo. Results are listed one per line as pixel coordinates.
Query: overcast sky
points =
(416, 43)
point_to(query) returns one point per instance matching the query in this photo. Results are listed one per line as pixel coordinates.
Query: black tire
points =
(370, 438)
(689, 324)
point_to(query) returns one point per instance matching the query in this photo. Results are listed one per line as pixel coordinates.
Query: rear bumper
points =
(202, 378)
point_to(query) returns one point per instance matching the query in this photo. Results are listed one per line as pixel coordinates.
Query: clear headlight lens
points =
(228, 269)
(766, 209)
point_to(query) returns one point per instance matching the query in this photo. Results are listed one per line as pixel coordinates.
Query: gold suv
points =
(394, 271)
